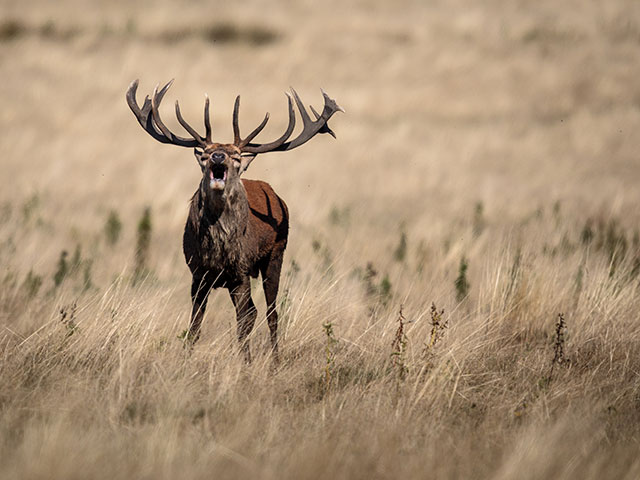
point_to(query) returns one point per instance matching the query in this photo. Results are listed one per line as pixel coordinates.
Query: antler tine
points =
(326, 128)
(311, 128)
(300, 105)
(188, 127)
(236, 128)
(156, 98)
(143, 115)
(262, 148)
(154, 125)
(237, 140)
(256, 131)
(207, 121)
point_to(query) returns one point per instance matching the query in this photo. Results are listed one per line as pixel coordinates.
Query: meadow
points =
(460, 293)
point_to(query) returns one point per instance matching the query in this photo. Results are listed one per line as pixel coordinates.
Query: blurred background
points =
(456, 112)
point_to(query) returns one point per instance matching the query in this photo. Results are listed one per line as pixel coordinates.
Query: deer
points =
(236, 227)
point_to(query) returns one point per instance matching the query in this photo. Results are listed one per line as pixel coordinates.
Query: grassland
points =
(485, 181)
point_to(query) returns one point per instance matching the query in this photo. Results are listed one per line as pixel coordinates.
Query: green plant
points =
(400, 252)
(557, 207)
(185, 338)
(368, 278)
(324, 253)
(131, 27)
(385, 290)
(422, 255)
(615, 245)
(478, 219)
(76, 260)
(339, 216)
(578, 281)
(30, 207)
(230, 32)
(62, 270)
(48, 29)
(461, 283)
(31, 284)
(143, 244)
(112, 228)
(87, 283)
(514, 274)
(10, 29)
(379, 291)
(587, 233)
(6, 211)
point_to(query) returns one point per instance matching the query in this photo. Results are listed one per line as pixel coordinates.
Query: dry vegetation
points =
(485, 181)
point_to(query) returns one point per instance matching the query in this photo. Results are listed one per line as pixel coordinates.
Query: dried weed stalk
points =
(399, 347)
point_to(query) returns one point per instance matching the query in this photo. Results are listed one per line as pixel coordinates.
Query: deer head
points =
(223, 163)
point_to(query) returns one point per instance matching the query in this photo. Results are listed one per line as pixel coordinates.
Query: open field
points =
(487, 164)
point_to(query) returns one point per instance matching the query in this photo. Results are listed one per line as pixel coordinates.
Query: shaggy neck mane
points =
(221, 222)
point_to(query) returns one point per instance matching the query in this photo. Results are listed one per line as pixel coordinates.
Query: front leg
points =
(200, 288)
(245, 314)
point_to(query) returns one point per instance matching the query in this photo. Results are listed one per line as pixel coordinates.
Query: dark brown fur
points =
(230, 237)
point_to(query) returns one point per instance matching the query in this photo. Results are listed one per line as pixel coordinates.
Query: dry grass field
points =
(485, 180)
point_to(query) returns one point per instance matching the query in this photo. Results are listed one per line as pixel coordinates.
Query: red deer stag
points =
(236, 228)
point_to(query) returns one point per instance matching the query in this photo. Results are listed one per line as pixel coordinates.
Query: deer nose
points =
(217, 157)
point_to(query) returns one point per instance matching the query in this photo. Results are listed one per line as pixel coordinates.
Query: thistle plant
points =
(559, 345)
(438, 327)
(329, 353)
(399, 347)
(68, 318)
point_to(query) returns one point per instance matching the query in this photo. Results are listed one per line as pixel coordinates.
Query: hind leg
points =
(245, 314)
(270, 272)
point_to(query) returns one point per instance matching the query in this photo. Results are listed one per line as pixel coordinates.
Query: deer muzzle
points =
(217, 176)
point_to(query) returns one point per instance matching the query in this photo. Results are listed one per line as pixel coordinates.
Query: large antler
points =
(309, 130)
(149, 118)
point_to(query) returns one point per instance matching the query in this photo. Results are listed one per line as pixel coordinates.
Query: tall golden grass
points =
(501, 133)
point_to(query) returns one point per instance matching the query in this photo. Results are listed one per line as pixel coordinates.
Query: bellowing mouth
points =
(217, 177)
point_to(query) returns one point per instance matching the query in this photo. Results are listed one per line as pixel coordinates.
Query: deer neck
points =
(227, 211)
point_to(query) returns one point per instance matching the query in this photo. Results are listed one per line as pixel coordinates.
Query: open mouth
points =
(217, 177)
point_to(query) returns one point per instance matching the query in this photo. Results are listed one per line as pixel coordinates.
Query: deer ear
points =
(200, 157)
(245, 160)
